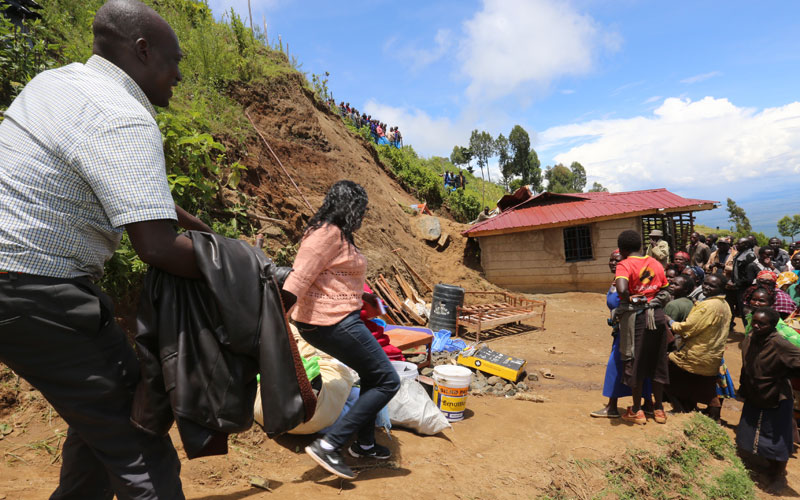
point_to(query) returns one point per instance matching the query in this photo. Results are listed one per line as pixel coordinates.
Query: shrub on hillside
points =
(420, 176)
(413, 175)
(23, 54)
(463, 205)
(217, 54)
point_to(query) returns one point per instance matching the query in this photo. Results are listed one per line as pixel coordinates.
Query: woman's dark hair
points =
(748, 294)
(629, 241)
(770, 313)
(344, 207)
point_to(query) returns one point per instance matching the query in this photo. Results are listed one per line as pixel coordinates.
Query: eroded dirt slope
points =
(317, 150)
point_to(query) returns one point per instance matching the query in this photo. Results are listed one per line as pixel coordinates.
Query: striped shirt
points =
(80, 157)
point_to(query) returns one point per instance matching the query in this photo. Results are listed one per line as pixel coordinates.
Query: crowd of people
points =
(381, 133)
(671, 319)
(83, 162)
(453, 180)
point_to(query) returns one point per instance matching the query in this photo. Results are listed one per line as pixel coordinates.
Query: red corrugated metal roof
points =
(547, 209)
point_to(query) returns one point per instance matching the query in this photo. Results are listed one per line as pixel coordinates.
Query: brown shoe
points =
(637, 418)
(659, 416)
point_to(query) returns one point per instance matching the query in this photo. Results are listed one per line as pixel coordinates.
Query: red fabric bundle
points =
(367, 312)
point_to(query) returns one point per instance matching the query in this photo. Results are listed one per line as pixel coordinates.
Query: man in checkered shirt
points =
(81, 161)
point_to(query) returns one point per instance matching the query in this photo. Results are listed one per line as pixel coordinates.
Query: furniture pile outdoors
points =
(505, 309)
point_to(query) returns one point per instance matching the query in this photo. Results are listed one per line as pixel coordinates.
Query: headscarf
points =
(767, 274)
(698, 271)
(786, 278)
(681, 254)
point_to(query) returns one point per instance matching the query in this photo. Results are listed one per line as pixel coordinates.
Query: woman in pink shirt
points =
(327, 285)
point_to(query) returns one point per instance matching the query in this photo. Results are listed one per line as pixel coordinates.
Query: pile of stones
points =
(492, 385)
(482, 384)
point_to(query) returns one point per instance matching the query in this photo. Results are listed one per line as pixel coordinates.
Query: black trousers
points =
(351, 342)
(60, 336)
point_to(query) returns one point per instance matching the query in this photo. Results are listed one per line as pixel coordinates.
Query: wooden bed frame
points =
(507, 309)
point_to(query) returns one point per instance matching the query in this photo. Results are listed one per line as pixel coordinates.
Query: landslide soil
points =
(505, 448)
(317, 150)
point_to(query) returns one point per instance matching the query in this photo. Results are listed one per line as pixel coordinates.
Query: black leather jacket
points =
(201, 344)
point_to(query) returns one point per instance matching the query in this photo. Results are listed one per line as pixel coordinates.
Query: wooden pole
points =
(247, 114)
(250, 10)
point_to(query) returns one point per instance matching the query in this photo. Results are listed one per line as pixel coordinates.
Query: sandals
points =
(546, 373)
(637, 418)
(605, 413)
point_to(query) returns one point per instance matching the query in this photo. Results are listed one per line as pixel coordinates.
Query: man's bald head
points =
(119, 23)
(134, 37)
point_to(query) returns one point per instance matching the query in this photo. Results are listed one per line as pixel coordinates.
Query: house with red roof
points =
(554, 242)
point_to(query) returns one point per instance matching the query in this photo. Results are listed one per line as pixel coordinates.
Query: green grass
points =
(699, 463)
(205, 131)
(700, 228)
(422, 176)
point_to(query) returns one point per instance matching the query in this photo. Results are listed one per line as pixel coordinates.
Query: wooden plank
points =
(404, 287)
(398, 303)
(390, 291)
(411, 314)
(414, 296)
(414, 273)
(390, 299)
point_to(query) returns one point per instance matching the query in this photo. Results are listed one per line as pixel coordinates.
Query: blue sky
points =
(699, 97)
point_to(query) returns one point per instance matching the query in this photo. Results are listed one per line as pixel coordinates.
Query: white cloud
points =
(652, 99)
(701, 77)
(428, 135)
(418, 58)
(436, 136)
(567, 91)
(709, 143)
(516, 44)
(627, 86)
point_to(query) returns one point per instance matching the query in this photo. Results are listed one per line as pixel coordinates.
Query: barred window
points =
(577, 243)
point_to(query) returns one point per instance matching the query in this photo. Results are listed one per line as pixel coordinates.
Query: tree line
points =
(519, 163)
(788, 225)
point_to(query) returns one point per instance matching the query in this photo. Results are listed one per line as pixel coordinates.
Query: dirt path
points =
(504, 449)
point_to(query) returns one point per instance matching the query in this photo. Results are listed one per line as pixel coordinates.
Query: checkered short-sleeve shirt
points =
(80, 157)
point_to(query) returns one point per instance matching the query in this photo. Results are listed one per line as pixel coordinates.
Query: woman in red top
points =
(644, 277)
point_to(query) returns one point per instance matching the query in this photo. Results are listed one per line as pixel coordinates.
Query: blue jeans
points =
(352, 343)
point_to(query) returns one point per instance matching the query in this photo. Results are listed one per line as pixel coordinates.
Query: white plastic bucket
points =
(450, 388)
(405, 369)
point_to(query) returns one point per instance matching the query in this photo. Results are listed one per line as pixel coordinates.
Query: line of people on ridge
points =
(381, 133)
(670, 327)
